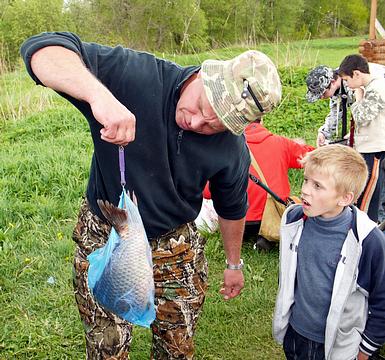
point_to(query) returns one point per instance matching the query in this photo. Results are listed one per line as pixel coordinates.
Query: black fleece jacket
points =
(165, 166)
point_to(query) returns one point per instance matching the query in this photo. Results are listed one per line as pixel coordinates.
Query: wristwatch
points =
(235, 267)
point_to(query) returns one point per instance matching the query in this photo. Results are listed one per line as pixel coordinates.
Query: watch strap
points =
(235, 266)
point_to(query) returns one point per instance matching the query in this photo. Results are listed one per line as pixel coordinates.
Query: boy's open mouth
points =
(306, 203)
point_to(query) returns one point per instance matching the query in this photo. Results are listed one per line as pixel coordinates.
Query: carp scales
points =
(126, 285)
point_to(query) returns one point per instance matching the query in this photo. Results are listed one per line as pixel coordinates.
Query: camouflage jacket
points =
(335, 114)
(334, 117)
(369, 118)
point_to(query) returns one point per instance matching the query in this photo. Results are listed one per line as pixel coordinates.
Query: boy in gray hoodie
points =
(331, 298)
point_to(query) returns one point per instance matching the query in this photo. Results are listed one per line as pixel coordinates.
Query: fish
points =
(126, 286)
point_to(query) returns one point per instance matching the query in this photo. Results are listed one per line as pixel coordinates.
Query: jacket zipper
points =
(179, 141)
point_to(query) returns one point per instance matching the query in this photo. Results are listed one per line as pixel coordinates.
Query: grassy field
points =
(294, 54)
(45, 151)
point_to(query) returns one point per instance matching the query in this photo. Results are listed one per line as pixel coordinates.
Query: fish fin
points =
(134, 198)
(115, 216)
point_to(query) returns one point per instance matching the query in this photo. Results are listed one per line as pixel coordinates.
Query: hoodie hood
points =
(255, 133)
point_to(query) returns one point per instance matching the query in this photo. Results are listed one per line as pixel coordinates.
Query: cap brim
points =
(226, 112)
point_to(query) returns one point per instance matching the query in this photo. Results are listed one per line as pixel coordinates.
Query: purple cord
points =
(122, 166)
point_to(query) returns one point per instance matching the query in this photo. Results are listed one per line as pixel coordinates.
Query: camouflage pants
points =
(180, 275)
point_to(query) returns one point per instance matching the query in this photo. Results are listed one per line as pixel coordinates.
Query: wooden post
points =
(373, 49)
(372, 24)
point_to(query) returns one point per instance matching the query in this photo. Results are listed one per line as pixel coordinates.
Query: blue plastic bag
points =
(120, 274)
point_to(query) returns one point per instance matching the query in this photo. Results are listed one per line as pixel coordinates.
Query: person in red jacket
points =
(275, 155)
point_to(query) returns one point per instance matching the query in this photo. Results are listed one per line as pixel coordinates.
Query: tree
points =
(233, 21)
(173, 25)
(181, 25)
(21, 19)
(281, 17)
(335, 17)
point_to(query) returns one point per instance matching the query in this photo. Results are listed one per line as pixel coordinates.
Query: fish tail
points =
(115, 216)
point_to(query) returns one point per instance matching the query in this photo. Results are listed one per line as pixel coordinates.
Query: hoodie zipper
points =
(179, 141)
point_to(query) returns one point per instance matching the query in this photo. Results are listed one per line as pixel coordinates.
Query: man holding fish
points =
(180, 127)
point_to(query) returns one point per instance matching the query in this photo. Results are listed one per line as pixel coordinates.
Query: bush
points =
(22, 19)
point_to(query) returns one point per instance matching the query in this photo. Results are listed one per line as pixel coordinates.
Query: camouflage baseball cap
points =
(242, 89)
(317, 81)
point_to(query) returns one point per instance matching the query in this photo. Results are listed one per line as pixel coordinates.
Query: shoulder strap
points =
(262, 181)
(255, 165)
(344, 100)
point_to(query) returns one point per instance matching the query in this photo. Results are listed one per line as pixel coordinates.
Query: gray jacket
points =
(356, 318)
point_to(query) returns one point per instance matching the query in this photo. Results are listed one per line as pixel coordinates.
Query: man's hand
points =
(118, 122)
(232, 232)
(62, 70)
(233, 283)
(359, 93)
(321, 139)
(362, 356)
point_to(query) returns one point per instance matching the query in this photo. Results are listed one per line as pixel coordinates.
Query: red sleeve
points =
(206, 192)
(295, 152)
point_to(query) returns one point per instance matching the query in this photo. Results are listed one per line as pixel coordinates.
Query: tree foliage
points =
(20, 19)
(232, 21)
(281, 17)
(335, 18)
(182, 25)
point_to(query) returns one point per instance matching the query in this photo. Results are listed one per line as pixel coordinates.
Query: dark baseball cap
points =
(317, 81)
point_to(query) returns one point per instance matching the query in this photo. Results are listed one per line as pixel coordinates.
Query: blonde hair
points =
(344, 164)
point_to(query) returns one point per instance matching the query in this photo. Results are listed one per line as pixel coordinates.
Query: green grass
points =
(45, 151)
(285, 54)
(42, 180)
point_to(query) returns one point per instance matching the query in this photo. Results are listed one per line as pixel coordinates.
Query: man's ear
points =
(356, 73)
(346, 199)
